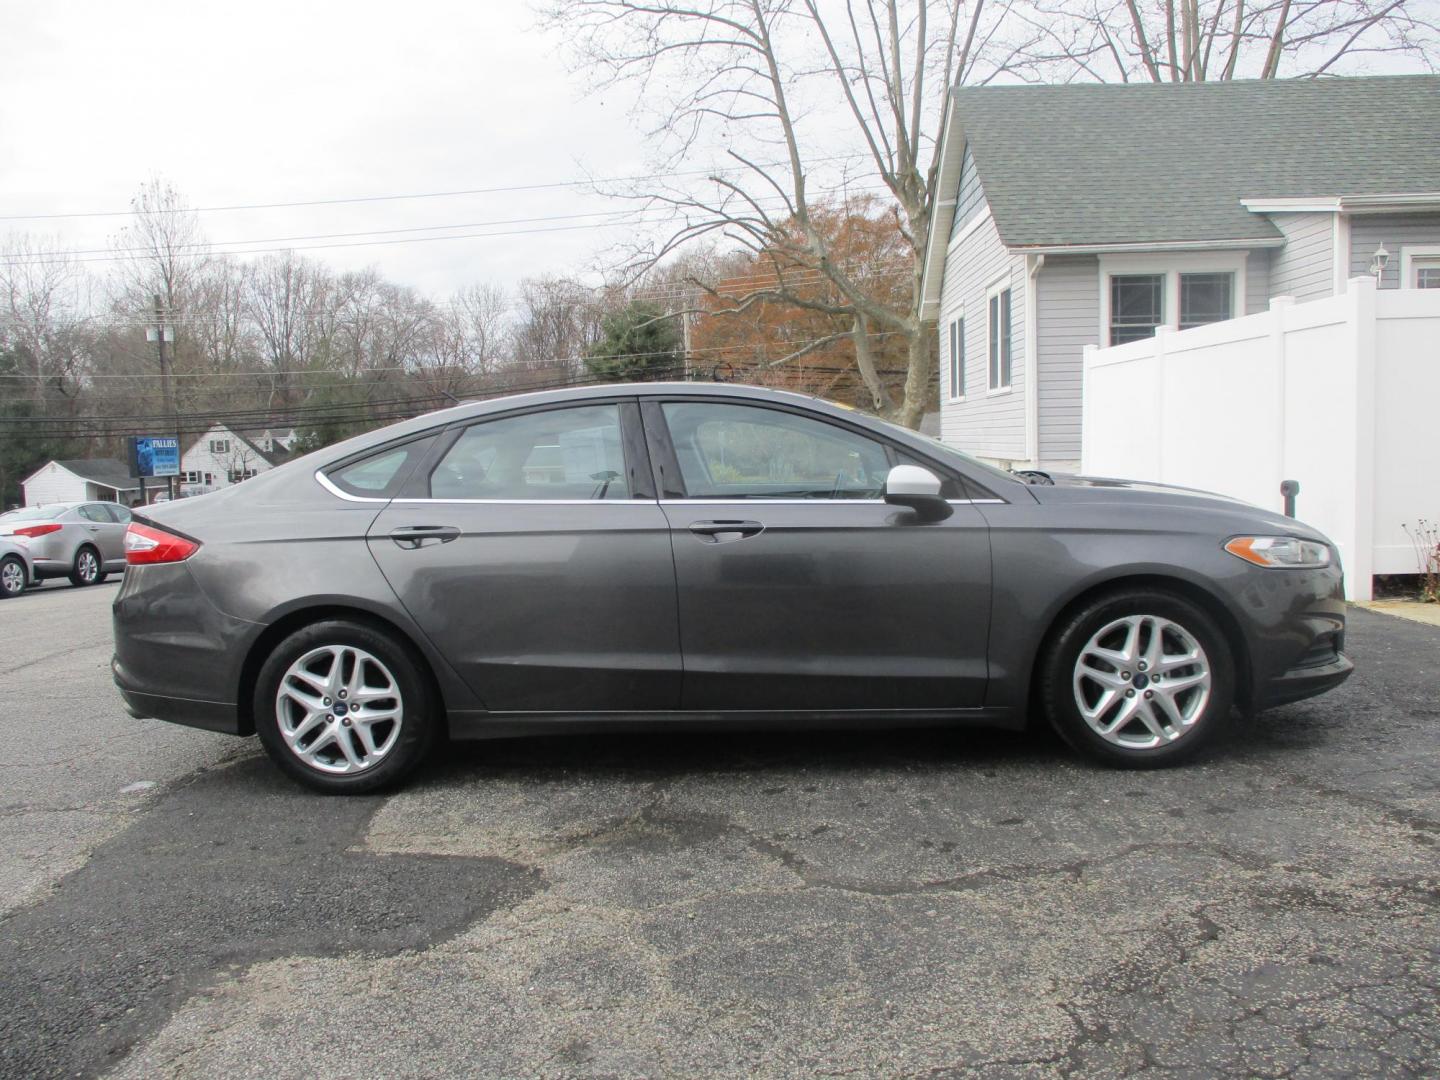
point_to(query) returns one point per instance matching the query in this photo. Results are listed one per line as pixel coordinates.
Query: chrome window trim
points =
(329, 485)
(533, 502)
(804, 502)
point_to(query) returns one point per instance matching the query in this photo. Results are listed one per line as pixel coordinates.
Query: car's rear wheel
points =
(87, 569)
(1140, 679)
(12, 576)
(344, 708)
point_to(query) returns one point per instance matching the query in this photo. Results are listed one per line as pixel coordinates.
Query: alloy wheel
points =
(1142, 681)
(339, 709)
(87, 566)
(12, 578)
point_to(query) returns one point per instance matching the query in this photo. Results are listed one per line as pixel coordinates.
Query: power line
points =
(26, 257)
(209, 252)
(417, 370)
(357, 412)
(660, 293)
(422, 195)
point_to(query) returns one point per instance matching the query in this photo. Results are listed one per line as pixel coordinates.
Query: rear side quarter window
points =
(381, 474)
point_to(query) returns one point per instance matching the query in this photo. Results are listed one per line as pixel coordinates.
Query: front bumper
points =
(1304, 682)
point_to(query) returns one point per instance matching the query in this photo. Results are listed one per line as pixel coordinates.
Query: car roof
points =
(34, 513)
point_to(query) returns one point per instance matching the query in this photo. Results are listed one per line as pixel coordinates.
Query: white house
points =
(1093, 215)
(1215, 285)
(222, 456)
(81, 480)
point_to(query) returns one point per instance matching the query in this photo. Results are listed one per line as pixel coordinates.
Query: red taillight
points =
(147, 544)
(33, 531)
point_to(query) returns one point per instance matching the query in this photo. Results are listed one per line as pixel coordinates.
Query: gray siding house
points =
(1090, 215)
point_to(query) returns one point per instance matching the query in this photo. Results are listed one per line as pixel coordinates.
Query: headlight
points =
(1279, 551)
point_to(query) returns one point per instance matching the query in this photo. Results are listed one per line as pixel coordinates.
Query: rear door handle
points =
(724, 532)
(414, 536)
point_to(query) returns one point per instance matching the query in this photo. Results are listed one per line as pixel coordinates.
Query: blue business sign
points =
(156, 456)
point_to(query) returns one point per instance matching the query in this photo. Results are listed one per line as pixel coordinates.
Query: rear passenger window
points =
(95, 512)
(380, 475)
(569, 454)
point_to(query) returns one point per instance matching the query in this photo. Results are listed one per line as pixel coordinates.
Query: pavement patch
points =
(238, 867)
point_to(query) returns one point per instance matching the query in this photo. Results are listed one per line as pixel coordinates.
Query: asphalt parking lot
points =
(912, 904)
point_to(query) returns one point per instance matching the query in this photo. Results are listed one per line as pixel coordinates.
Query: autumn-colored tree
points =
(744, 333)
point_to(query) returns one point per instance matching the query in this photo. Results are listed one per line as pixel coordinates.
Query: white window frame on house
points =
(1171, 265)
(219, 446)
(1426, 255)
(993, 369)
(955, 369)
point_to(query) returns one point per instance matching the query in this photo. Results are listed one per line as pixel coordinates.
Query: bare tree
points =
(469, 335)
(161, 250)
(557, 321)
(768, 79)
(283, 293)
(1199, 40)
(218, 317)
(39, 318)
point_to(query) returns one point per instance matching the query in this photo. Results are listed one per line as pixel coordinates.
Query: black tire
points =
(1057, 680)
(88, 568)
(12, 584)
(419, 717)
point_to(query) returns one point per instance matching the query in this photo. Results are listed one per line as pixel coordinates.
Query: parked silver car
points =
(16, 571)
(82, 541)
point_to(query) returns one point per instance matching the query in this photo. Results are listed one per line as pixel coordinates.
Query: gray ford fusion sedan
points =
(618, 556)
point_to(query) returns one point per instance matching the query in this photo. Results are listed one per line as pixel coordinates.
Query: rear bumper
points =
(177, 657)
(210, 715)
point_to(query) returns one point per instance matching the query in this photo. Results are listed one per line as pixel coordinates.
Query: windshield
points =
(943, 451)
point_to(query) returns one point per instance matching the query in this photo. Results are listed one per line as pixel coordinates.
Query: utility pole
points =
(166, 390)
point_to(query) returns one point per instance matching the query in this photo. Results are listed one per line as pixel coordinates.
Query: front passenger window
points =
(561, 454)
(747, 452)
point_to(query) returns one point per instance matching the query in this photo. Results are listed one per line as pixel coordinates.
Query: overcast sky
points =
(267, 102)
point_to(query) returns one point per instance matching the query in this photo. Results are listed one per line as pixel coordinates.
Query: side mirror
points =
(919, 489)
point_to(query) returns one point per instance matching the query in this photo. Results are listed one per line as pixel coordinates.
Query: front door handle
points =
(414, 536)
(724, 532)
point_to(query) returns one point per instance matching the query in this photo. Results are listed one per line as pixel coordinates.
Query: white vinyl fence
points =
(1340, 394)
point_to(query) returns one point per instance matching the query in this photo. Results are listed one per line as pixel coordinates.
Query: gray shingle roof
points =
(110, 472)
(1086, 164)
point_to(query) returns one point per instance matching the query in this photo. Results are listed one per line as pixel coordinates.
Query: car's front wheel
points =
(12, 577)
(344, 707)
(1139, 678)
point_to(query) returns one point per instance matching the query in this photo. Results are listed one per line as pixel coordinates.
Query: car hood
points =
(1102, 490)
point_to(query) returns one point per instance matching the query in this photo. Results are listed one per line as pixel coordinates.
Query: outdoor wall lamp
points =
(1378, 261)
